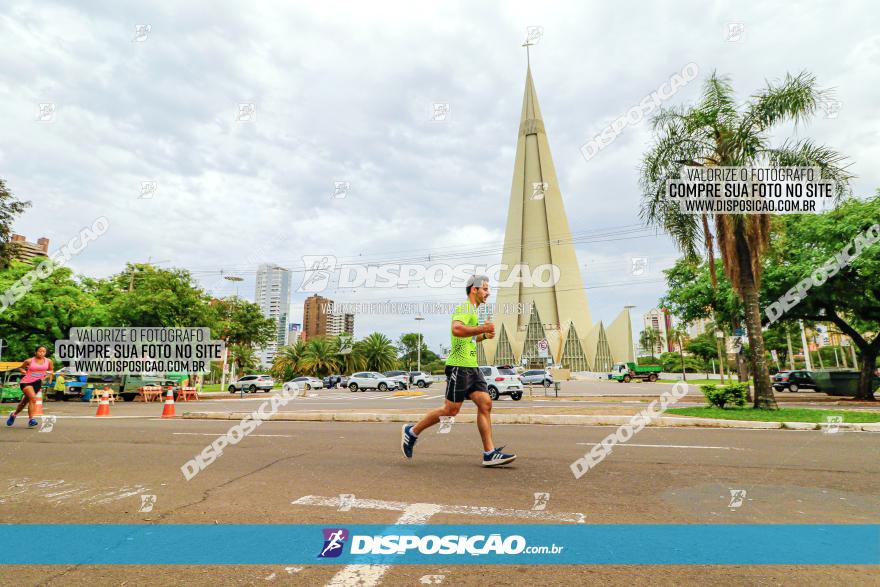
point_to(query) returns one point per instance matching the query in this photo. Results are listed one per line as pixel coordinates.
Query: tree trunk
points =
(866, 373)
(869, 352)
(684, 376)
(761, 374)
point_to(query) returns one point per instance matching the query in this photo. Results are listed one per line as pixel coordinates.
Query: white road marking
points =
(249, 435)
(370, 575)
(667, 446)
(416, 513)
(464, 510)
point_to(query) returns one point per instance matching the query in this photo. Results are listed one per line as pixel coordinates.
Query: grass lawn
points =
(781, 415)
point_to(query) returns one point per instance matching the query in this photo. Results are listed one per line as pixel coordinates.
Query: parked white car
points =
(309, 382)
(421, 378)
(401, 377)
(252, 384)
(502, 381)
(292, 388)
(370, 380)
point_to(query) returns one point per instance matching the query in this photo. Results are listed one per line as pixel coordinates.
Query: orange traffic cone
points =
(104, 406)
(168, 410)
(38, 409)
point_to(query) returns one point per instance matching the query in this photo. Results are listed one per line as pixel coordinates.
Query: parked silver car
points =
(536, 377)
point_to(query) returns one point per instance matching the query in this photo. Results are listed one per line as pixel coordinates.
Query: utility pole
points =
(419, 354)
(790, 351)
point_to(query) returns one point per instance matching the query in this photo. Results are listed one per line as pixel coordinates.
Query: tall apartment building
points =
(25, 251)
(340, 323)
(660, 321)
(273, 296)
(320, 320)
(316, 310)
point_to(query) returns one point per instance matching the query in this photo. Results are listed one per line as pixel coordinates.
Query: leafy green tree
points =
(10, 207)
(144, 295)
(45, 313)
(379, 352)
(238, 321)
(807, 245)
(715, 132)
(703, 346)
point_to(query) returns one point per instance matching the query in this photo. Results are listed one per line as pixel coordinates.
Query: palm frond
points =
(794, 98)
(806, 153)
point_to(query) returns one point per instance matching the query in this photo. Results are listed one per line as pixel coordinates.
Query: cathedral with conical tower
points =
(557, 326)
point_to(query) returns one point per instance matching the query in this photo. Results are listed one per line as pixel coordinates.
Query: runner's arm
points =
(462, 331)
(24, 366)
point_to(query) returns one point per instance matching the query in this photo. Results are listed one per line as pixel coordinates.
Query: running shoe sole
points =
(499, 462)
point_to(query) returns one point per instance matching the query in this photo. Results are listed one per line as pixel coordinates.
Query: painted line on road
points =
(249, 435)
(464, 510)
(415, 513)
(667, 446)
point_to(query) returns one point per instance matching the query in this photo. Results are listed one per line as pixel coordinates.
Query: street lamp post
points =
(419, 351)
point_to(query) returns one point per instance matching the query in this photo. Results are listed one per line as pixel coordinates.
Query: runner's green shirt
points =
(464, 348)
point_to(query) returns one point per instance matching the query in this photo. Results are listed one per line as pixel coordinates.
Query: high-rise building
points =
(661, 321)
(340, 323)
(273, 297)
(556, 327)
(316, 312)
(25, 251)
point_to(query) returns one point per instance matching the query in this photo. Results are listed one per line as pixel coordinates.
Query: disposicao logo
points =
(334, 540)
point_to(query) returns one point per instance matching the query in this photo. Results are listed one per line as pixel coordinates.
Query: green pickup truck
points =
(626, 372)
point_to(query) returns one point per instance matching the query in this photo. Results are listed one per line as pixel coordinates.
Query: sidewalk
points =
(568, 419)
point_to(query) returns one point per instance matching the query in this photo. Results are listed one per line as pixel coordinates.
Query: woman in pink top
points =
(35, 370)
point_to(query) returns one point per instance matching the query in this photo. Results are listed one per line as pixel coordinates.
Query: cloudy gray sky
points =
(343, 91)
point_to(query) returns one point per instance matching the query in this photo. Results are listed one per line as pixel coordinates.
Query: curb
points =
(541, 419)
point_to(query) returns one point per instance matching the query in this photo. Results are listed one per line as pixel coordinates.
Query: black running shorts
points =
(37, 385)
(462, 381)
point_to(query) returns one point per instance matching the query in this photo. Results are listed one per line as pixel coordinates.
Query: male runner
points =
(464, 380)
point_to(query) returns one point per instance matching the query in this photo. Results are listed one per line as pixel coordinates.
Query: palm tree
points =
(648, 340)
(351, 361)
(677, 334)
(320, 357)
(379, 352)
(244, 357)
(716, 133)
(287, 360)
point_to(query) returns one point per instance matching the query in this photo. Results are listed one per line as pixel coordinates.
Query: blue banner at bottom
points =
(498, 544)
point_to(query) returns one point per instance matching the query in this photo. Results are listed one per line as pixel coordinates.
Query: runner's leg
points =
(449, 409)
(29, 399)
(484, 417)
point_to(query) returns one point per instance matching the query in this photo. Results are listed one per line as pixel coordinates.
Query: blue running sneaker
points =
(408, 441)
(496, 458)
(33, 422)
(11, 419)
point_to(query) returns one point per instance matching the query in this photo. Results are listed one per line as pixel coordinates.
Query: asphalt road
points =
(97, 470)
